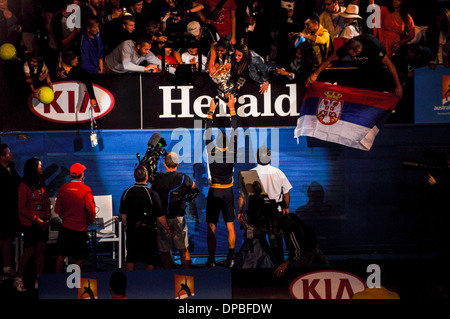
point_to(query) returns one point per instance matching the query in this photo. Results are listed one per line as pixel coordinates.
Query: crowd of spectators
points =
(259, 39)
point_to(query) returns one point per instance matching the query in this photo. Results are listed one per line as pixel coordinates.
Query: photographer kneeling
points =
(301, 241)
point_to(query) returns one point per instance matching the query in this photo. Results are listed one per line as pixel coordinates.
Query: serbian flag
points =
(344, 115)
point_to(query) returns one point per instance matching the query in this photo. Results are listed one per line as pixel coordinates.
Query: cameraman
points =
(173, 187)
(277, 186)
(140, 207)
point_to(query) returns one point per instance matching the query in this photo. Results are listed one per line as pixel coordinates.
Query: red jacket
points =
(75, 205)
(28, 201)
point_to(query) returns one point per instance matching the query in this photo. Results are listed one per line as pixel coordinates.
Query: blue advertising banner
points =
(140, 284)
(432, 95)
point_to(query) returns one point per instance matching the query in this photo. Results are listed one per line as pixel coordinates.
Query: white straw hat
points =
(351, 11)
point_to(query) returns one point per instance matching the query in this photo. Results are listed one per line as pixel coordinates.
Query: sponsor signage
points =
(247, 104)
(72, 105)
(326, 284)
(139, 101)
(169, 106)
(432, 95)
(184, 286)
(152, 101)
(88, 289)
(171, 284)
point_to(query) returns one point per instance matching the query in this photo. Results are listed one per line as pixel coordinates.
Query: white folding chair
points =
(112, 231)
(53, 232)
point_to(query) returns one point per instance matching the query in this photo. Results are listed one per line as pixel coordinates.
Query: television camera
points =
(154, 151)
(151, 158)
(261, 210)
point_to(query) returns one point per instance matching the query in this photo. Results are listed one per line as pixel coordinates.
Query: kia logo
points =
(72, 103)
(330, 284)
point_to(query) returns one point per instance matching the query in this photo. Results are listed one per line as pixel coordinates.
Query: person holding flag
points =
(350, 116)
(365, 50)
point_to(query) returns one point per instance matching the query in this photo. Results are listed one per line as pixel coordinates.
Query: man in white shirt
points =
(128, 56)
(274, 181)
(277, 186)
(191, 56)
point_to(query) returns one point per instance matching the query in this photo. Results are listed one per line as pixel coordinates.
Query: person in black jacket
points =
(221, 160)
(9, 217)
(301, 242)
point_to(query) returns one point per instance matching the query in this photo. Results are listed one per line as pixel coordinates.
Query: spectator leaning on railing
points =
(129, 55)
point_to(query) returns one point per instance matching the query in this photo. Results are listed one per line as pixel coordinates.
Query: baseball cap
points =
(193, 28)
(76, 169)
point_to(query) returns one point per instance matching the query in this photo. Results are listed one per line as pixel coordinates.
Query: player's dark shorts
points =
(73, 243)
(220, 200)
(32, 235)
(142, 246)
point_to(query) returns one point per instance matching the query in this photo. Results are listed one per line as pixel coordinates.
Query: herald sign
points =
(326, 284)
(72, 103)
